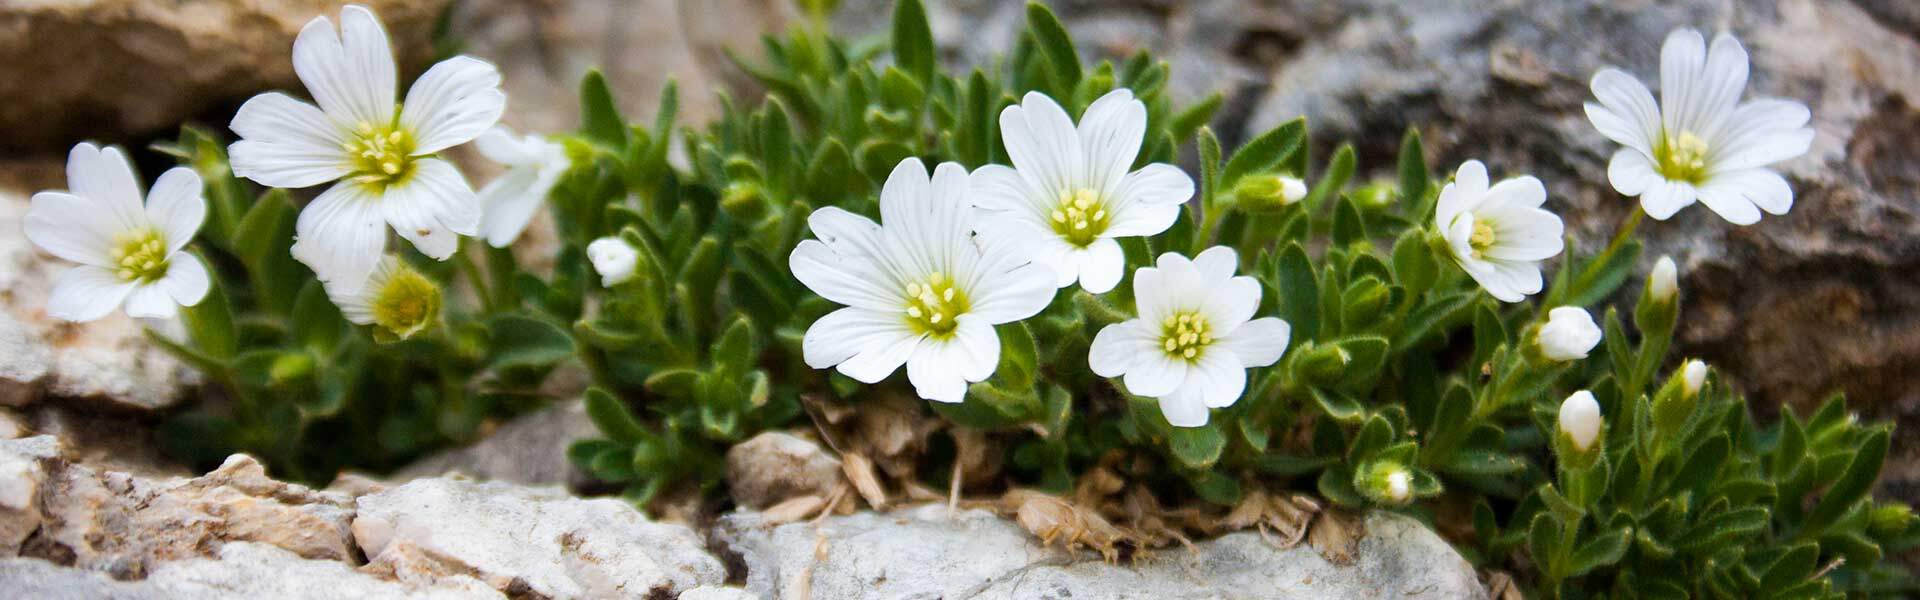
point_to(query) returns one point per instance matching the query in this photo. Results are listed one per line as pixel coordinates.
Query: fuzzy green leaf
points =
(913, 39)
(612, 417)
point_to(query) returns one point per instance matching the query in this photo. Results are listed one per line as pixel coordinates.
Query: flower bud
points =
(1580, 420)
(290, 367)
(613, 259)
(1324, 364)
(1568, 334)
(1663, 283)
(1386, 482)
(1379, 194)
(1693, 375)
(1267, 193)
(744, 201)
(395, 298)
(1888, 520)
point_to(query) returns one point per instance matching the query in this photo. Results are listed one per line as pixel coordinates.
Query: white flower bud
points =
(1692, 376)
(1292, 189)
(1580, 419)
(1568, 334)
(1663, 282)
(613, 259)
(1400, 486)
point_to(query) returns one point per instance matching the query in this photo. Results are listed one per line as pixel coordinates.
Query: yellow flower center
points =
(1482, 237)
(933, 305)
(1682, 157)
(408, 303)
(1080, 217)
(381, 155)
(140, 255)
(1185, 335)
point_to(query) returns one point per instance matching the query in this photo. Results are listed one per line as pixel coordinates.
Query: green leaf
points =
(1337, 405)
(1336, 484)
(1265, 152)
(1216, 488)
(1298, 293)
(316, 322)
(1489, 333)
(600, 119)
(1197, 447)
(1600, 550)
(1794, 566)
(211, 321)
(1019, 356)
(613, 418)
(913, 40)
(1851, 487)
(260, 232)
(1374, 435)
(1191, 119)
(525, 342)
(1209, 166)
(1483, 462)
(1055, 44)
(1348, 227)
(1369, 354)
(1413, 173)
(1287, 465)
(1339, 170)
(1414, 266)
(736, 351)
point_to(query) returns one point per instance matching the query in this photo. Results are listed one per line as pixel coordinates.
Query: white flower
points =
(1663, 283)
(382, 154)
(128, 251)
(1568, 334)
(919, 288)
(396, 298)
(1693, 375)
(1498, 234)
(1580, 419)
(534, 165)
(1700, 142)
(613, 259)
(1195, 337)
(1069, 192)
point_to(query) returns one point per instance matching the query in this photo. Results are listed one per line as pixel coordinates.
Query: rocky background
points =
(1791, 309)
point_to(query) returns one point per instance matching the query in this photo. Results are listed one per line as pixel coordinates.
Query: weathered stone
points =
(1793, 308)
(529, 541)
(777, 465)
(928, 552)
(117, 69)
(242, 570)
(530, 450)
(717, 593)
(124, 524)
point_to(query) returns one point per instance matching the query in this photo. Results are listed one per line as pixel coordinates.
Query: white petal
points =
(1464, 193)
(1013, 295)
(1155, 184)
(431, 207)
(1119, 346)
(72, 227)
(846, 332)
(1631, 172)
(1063, 259)
(1259, 342)
(1721, 81)
(1217, 263)
(1220, 378)
(186, 281)
(1184, 408)
(1102, 266)
(1764, 188)
(1155, 374)
(998, 189)
(1524, 191)
(849, 280)
(104, 176)
(357, 306)
(1664, 198)
(350, 73)
(935, 371)
(1682, 58)
(1230, 303)
(1525, 234)
(341, 235)
(1151, 296)
(1110, 133)
(151, 302)
(880, 358)
(1760, 133)
(1143, 219)
(1043, 144)
(1626, 113)
(452, 103)
(973, 351)
(500, 145)
(507, 204)
(287, 143)
(86, 293)
(176, 206)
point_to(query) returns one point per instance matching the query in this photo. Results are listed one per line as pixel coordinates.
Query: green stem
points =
(475, 279)
(1209, 220)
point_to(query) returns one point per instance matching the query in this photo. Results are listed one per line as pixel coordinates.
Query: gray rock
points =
(928, 553)
(525, 540)
(775, 465)
(717, 593)
(530, 450)
(242, 570)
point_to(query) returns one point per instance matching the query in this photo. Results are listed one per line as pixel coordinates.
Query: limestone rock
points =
(124, 524)
(717, 593)
(530, 450)
(72, 70)
(243, 570)
(776, 465)
(528, 541)
(927, 553)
